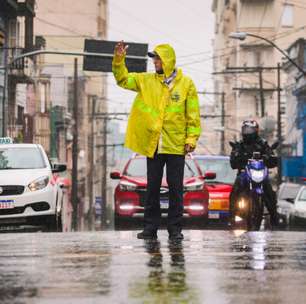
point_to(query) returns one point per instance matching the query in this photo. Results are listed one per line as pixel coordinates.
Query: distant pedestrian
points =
(164, 125)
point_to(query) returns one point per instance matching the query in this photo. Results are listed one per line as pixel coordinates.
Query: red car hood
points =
(142, 181)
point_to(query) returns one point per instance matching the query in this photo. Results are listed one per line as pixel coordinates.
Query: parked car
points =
(287, 194)
(130, 193)
(298, 212)
(219, 188)
(29, 192)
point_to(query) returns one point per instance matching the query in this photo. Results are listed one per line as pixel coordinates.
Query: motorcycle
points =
(249, 205)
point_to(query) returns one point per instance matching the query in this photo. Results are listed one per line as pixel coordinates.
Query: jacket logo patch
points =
(175, 97)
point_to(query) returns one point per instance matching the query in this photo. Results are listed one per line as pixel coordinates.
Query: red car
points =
(221, 187)
(130, 193)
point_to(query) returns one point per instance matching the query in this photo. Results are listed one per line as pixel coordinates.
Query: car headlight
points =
(283, 211)
(127, 186)
(257, 175)
(39, 183)
(196, 186)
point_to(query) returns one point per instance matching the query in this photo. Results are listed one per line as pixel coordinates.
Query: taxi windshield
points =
(224, 172)
(21, 158)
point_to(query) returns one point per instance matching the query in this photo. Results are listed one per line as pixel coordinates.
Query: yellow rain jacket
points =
(161, 115)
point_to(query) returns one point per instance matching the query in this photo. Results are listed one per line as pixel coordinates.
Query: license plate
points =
(164, 204)
(7, 204)
(214, 215)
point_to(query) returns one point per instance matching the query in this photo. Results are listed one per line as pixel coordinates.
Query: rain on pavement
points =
(209, 266)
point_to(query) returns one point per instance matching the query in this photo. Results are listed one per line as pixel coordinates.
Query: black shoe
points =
(147, 235)
(176, 236)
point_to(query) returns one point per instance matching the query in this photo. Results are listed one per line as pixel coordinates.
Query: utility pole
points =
(223, 123)
(279, 124)
(278, 89)
(222, 94)
(261, 91)
(75, 152)
(91, 213)
(104, 175)
(5, 89)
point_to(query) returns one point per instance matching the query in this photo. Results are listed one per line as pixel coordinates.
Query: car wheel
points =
(118, 223)
(55, 224)
(292, 221)
(126, 223)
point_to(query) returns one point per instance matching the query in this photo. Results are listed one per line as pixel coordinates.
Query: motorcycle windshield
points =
(257, 165)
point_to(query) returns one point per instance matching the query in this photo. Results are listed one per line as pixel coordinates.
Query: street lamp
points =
(242, 36)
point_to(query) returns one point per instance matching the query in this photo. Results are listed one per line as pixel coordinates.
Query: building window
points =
(42, 98)
(257, 58)
(20, 115)
(287, 16)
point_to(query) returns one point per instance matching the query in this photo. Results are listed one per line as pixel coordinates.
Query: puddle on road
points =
(114, 267)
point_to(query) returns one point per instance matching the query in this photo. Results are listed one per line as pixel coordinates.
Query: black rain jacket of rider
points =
(243, 151)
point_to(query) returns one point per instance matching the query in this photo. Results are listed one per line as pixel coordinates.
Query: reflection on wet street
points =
(114, 267)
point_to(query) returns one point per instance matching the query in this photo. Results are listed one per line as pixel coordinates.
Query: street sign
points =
(104, 64)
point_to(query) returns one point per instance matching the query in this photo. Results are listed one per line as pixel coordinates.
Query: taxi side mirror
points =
(115, 175)
(289, 200)
(56, 168)
(210, 175)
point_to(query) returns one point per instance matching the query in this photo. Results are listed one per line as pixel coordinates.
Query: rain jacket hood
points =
(167, 56)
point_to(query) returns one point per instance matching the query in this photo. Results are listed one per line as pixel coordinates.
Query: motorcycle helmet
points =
(249, 131)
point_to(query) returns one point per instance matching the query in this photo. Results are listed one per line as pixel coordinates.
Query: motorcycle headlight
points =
(242, 204)
(127, 186)
(257, 175)
(196, 186)
(39, 183)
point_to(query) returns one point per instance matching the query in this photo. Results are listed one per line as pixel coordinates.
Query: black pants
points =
(175, 175)
(269, 198)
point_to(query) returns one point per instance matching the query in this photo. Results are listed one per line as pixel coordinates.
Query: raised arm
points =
(123, 78)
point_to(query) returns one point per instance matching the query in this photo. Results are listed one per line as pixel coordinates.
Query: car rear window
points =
(222, 168)
(21, 158)
(138, 168)
(289, 191)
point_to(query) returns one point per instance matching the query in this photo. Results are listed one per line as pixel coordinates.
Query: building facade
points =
(246, 70)
(16, 38)
(65, 24)
(294, 164)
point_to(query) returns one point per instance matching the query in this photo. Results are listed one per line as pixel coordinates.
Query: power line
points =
(233, 48)
(144, 23)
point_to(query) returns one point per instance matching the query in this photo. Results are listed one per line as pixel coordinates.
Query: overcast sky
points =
(186, 25)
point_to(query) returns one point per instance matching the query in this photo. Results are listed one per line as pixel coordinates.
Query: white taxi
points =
(29, 193)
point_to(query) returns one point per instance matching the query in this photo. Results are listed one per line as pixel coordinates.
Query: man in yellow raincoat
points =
(164, 125)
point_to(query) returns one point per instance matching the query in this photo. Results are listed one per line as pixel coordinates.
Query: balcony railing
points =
(17, 64)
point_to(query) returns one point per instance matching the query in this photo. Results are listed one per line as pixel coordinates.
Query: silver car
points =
(285, 201)
(298, 212)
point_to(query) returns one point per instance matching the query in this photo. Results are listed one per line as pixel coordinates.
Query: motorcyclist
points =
(241, 152)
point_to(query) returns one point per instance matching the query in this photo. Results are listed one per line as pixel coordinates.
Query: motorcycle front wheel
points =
(255, 215)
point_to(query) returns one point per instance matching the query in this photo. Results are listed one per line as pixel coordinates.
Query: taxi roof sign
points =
(6, 140)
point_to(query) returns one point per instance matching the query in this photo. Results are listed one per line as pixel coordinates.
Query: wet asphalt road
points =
(114, 267)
